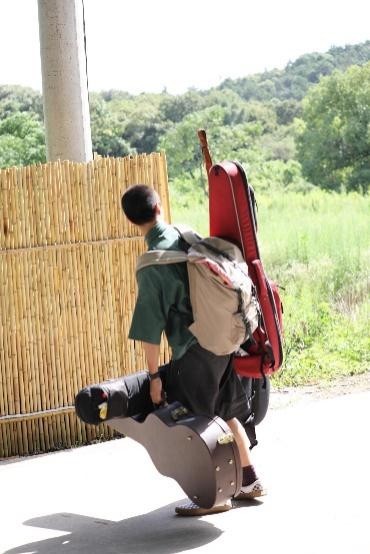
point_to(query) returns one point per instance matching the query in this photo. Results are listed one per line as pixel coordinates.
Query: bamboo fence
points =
(67, 291)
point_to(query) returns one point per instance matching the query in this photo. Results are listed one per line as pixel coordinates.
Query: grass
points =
(317, 246)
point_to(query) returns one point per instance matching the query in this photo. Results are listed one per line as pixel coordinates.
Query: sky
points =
(151, 45)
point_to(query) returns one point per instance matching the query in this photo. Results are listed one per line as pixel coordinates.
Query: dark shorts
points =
(207, 385)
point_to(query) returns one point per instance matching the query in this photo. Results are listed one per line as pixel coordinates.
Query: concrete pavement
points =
(108, 498)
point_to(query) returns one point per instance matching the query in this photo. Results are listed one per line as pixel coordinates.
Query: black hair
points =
(138, 203)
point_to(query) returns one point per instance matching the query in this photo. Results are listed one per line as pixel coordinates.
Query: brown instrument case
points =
(199, 452)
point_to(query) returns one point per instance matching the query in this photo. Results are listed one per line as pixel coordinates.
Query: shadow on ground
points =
(157, 532)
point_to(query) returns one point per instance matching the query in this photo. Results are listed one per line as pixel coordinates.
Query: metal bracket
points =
(179, 412)
(227, 438)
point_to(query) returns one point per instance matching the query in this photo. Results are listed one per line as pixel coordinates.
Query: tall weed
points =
(317, 246)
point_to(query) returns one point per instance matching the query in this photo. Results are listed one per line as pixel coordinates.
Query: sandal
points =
(192, 509)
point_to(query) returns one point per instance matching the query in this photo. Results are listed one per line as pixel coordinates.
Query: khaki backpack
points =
(222, 295)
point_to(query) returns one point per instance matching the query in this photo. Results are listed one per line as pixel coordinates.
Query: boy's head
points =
(140, 204)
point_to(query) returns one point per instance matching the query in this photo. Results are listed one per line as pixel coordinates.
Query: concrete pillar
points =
(64, 80)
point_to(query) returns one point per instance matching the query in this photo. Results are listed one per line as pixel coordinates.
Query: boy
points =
(202, 381)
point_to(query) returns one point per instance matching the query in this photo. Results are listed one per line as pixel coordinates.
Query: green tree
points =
(22, 140)
(287, 111)
(106, 130)
(235, 142)
(334, 144)
(298, 76)
(122, 124)
(14, 98)
(141, 121)
(175, 108)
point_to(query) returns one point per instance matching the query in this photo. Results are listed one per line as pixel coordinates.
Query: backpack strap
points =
(160, 257)
(187, 234)
(250, 429)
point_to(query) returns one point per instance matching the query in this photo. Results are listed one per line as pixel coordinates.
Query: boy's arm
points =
(152, 357)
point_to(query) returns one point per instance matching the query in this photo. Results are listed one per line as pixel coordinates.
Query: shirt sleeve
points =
(149, 317)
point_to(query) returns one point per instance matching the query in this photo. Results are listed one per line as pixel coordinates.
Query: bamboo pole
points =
(3, 442)
(39, 208)
(30, 204)
(68, 204)
(3, 214)
(38, 430)
(89, 362)
(95, 195)
(46, 383)
(92, 200)
(51, 194)
(83, 208)
(111, 326)
(7, 211)
(97, 273)
(26, 339)
(72, 324)
(77, 191)
(45, 222)
(53, 329)
(114, 199)
(28, 195)
(78, 368)
(47, 431)
(105, 205)
(116, 361)
(87, 191)
(22, 219)
(12, 211)
(4, 350)
(13, 376)
(30, 291)
(18, 330)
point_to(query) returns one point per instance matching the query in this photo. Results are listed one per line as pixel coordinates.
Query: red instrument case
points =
(232, 215)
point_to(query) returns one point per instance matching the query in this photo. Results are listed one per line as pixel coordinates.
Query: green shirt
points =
(163, 302)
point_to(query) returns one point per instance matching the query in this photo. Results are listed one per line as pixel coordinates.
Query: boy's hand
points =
(156, 391)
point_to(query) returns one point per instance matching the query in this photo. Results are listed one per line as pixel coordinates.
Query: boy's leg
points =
(251, 484)
(241, 440)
